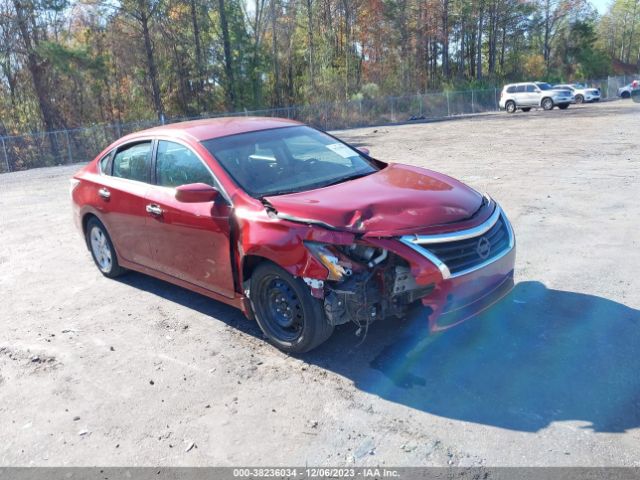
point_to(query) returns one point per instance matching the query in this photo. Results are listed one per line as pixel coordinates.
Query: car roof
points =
(210, 128)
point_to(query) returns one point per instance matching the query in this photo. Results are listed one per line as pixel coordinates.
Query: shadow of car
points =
(538, 356)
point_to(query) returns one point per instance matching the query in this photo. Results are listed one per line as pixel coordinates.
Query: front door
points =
(189, 241)
(532, 95)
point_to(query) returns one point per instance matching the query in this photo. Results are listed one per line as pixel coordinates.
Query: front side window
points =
(178, 165)
(531, 88)
(287, 160)
(133, 162)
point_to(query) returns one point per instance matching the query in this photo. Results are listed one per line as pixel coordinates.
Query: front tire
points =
(287, 314)
(579, 99)
(547, 104)
(101, 248)
(625, 95)
(510, 107)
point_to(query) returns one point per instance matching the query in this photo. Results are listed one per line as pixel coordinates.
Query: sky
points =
(601, 5)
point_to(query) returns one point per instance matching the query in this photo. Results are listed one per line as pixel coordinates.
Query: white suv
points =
(581, 93)
(627, 90)
(527, 95)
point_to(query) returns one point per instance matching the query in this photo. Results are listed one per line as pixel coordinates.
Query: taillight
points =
(73, 183)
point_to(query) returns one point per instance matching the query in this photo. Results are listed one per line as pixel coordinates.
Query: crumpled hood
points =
(398, 199)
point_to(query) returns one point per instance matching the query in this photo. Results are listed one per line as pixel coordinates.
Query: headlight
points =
(329, 260)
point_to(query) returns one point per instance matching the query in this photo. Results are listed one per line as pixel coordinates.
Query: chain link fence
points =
(22, 152)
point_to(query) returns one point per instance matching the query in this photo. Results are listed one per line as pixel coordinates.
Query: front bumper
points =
(463, 297)
(459, 296)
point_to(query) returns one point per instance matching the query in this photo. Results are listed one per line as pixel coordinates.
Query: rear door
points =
(520, 95)
(189, 241)
(122, 195)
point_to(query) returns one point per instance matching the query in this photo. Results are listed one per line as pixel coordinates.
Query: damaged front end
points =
(455, 270)
(364, 283)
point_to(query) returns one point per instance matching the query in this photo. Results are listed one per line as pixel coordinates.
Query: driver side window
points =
(177, 165)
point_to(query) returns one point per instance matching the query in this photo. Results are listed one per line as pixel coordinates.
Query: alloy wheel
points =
(100, 248)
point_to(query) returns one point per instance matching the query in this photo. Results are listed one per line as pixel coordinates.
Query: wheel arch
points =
(249, 264)
(85, 220)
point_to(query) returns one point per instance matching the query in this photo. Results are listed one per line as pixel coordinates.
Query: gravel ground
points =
(139, 372)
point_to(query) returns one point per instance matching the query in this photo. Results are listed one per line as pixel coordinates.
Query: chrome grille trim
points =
(418, 242)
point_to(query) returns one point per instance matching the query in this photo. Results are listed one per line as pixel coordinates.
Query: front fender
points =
(282, 242)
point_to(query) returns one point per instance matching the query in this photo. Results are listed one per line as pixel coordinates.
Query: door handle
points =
(104, 193)
(154, 209)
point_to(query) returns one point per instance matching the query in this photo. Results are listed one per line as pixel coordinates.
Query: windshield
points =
(287, 160)
(544, 86)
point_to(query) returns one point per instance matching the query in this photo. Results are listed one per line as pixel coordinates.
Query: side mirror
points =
(196, 193)
(364, 150)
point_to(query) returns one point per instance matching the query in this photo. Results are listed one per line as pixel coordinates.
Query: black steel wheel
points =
(286, 312)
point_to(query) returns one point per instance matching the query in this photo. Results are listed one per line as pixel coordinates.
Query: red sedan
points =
(298, 229)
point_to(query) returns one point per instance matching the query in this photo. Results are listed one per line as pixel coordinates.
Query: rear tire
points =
(287, 314)
(526, 109)
(547, 103)
(101, 248)
(510, 107)
(579, 99)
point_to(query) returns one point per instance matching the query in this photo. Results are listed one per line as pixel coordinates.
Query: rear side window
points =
(177, 165)
(133, 162)
(511, 89)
